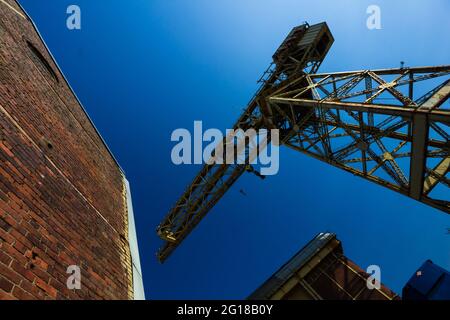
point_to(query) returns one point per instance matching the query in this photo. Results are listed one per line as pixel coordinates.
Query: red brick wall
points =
(61, 193)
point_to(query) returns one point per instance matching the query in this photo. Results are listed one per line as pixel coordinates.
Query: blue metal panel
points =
(430, 282)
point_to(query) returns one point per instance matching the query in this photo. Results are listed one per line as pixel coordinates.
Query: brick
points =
(21, 294)
(4, 258)
(6, 296)
(32, 289)
(4, 225)
(5, 285)
(10, 274)
(23, 271)
(6, 237)
(6, 150)
(56, 177)
(47, 288)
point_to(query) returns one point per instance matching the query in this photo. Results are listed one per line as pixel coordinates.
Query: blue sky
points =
(144, 68)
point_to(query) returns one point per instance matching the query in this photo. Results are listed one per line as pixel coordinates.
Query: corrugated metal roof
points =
(268, 288)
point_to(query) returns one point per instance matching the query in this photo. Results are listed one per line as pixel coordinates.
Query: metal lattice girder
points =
(202, 195)
(341, 118)
(303, 51)
(320, 115)
(393, 139)
(209, 185)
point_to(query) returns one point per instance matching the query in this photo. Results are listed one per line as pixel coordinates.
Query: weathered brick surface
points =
(61, 192)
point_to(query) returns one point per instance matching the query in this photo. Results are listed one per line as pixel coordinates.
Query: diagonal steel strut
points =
(331, 116)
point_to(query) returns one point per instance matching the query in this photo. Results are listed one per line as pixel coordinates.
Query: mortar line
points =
(12, 8)
(54, 165)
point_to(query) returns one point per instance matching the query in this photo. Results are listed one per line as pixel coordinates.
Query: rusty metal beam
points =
(418, 158)
(416, 70)
(436, 115)
(329, 117)
(438, 174)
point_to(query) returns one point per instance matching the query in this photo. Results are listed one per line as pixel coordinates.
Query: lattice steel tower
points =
(389, 126)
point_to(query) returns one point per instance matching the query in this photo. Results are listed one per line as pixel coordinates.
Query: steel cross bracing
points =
(211, 182)
(364, 122)
(389, 126)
